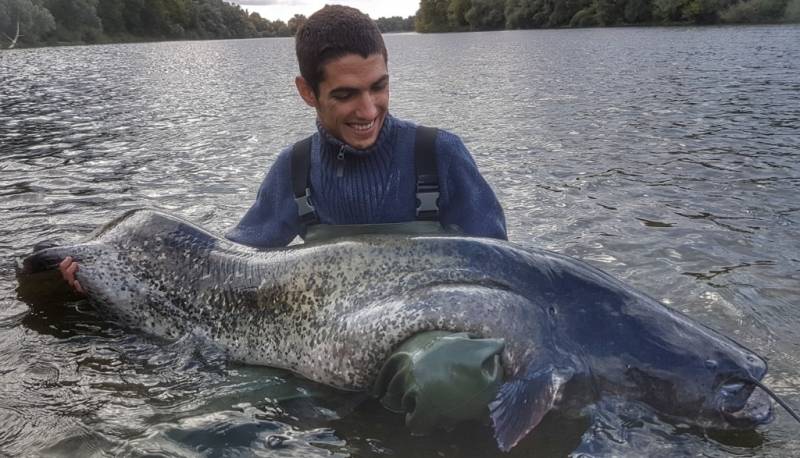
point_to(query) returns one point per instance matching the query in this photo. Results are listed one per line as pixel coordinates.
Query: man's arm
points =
(466, 199)
(271, 221)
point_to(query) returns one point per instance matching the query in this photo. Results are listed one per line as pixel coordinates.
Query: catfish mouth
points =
(743, 406)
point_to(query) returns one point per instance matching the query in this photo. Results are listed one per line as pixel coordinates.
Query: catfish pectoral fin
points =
(522, 403)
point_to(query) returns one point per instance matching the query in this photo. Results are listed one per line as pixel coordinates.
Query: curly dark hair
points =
(331, 33)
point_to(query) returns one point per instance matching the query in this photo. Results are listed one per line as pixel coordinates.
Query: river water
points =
(669, 157)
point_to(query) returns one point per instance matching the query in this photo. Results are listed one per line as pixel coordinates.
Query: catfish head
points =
(637, 348)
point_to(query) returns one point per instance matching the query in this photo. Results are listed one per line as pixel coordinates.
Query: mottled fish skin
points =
(334, 312)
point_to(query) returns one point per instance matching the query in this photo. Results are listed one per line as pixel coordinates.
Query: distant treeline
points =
(38, 22)
(396, 24)
(42, 22)
(466, 15)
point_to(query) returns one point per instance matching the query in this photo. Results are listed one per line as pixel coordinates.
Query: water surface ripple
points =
(667, 156)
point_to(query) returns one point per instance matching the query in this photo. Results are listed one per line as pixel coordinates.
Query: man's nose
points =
(367, 108)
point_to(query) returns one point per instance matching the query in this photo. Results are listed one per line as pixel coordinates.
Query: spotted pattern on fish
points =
(331, 312)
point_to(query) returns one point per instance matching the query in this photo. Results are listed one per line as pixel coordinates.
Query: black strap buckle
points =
(427, 205)
(427, 192)
(427, 197)
(305, 209)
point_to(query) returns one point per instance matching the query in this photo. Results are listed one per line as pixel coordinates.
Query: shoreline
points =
(620, 26)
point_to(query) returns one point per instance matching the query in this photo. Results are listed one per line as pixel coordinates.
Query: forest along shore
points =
(30, 23)
(473, 15)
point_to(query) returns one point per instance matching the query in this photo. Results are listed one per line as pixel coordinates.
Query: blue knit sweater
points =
(371, 186)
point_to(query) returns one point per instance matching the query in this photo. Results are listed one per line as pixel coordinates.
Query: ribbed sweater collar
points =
(334, 144)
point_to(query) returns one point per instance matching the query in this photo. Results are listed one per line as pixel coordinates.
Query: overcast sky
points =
(284, 9)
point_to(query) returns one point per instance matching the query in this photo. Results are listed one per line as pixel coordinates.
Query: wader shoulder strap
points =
(427, 174)
(301, 169)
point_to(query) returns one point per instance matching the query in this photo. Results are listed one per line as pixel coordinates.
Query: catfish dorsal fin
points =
(522, 402)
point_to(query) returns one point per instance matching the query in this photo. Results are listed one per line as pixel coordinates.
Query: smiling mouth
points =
(362, 127)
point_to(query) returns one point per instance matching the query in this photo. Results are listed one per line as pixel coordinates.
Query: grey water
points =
(669, 157)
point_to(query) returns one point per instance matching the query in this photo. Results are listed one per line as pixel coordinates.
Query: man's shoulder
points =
(284, 156)
(285, 153)
(409, 124)
(297, 141)
(401, 123)
(445, 138)
(281, 163)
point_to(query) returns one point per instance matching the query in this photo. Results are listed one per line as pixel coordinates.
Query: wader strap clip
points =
(304, 208)
(301, 169)
(427, 174)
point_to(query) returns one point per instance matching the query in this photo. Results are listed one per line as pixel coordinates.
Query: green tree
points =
(236, 22)
(755, 11)
(542, 10)
(155, 18)
(669, 10)
(178, 17)
(586, 17)
(486, 15)
(261, 25)
(432, 16)
(76, 20)
(35, 22)
(519, 14)
(209, 22)
(395, 24)
(565, 10)
(457, 12)
(295, 23)
(111, 14)
(132, 16)
(281, 29)
(610, 12)
(637, 11)
(703, 11)
(792, 11)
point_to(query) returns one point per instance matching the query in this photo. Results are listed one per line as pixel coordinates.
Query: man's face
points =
(353, 98)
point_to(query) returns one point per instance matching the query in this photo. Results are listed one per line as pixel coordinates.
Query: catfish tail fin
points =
(41, 260)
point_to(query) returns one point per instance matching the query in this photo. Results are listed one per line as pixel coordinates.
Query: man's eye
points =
(340, 96)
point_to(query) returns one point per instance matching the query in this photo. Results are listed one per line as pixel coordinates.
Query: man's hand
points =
(68, 267)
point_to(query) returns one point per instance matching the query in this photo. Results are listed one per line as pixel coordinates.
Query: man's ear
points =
(306, 91)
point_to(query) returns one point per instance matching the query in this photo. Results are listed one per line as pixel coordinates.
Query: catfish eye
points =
(711, 364)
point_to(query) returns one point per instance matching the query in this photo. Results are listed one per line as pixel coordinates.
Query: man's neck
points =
(339, 145)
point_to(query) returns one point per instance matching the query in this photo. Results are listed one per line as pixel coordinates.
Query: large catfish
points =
(334, 312)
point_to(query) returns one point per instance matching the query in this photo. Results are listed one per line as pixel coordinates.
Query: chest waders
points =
(436, 378)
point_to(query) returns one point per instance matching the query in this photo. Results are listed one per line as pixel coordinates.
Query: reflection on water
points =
(668, 157)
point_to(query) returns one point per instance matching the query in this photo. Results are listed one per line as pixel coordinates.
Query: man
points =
(362, 161)
(361, 168)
